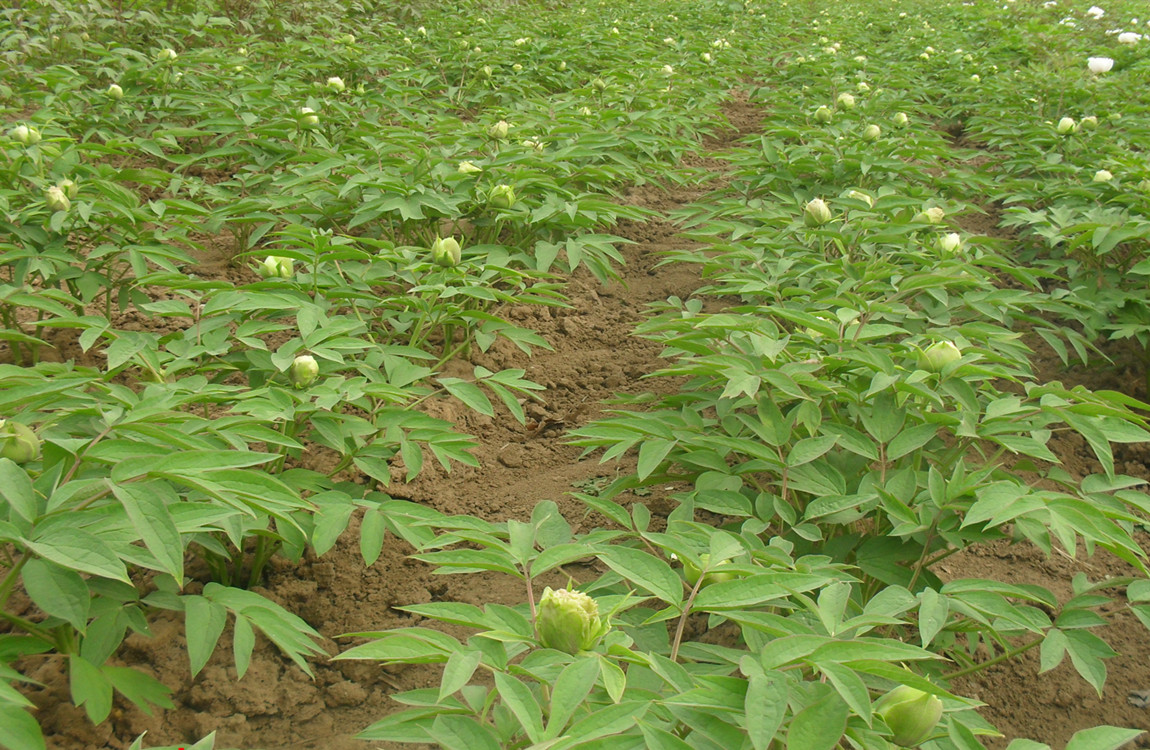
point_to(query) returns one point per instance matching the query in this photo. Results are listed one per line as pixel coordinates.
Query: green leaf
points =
(651, 454)
(820, 725)
(243, 642)
(16, 489)
(932, 614)
(58, 591)
(19, 730)
(850, 688)
(139, 688)
(808, 449)
(518, 698)
(90, 688)
(457, 672)
(766, 704)
(1087, 652)
(145, 505)
(571, 689)
(80, 550)
(910, 440)
(470, 394)
(660, 739)
(646, 571)
(1021, 744)
(371, 535)
(1102, 738)
(204, 622)
(454, 732)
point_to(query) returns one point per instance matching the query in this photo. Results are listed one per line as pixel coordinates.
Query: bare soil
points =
(278, 707)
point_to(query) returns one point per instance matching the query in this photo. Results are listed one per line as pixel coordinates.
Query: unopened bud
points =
(846, 100)
(823, 114)
(114, 92)
(568, 621)
(303, 371)
(911, 714)
(817, 213)
(445, 251)
(57, 200)
(499, 130)
(871, 133)
(938, 355)
(501, 196)
(900, 119)
(1066, 126)
(18, 442)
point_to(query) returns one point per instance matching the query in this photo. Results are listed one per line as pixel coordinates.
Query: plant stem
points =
(1005, 656)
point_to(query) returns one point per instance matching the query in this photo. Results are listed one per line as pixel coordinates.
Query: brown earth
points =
(277, 706)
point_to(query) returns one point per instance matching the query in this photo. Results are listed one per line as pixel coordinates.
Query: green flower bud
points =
(114, 92)
(846, 101)
(446, 252)
(336, 84)
(499, 130)
(1103, 175)
(1066, 126)
(70, 188)
(817, 213)
(823, 114)
(910, 713)
(871, 133)
(938, 355)
(501, 196)
(691, 573)
(858, 195)
(166, 55)
(1088, 123)
(57, 200)
(18, 442)
(303, 371)
(276, 267)
(900, 119)
(468, 167)
(568, 621)
(599, 84)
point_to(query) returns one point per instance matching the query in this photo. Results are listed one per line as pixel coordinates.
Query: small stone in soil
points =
(1138, 698)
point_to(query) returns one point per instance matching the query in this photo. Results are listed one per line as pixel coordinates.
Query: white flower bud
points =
(845, 101)
(336, 84)
(57, 200)
(1066, 126)
(499, 130)
(166, 55)
(1103, 175)
(467, 167)
(900, 119)
(446, 252)
(303, 371)
(817, 213)
(307, 117)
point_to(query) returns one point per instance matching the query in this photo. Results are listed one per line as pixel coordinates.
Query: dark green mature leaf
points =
(454, 732)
